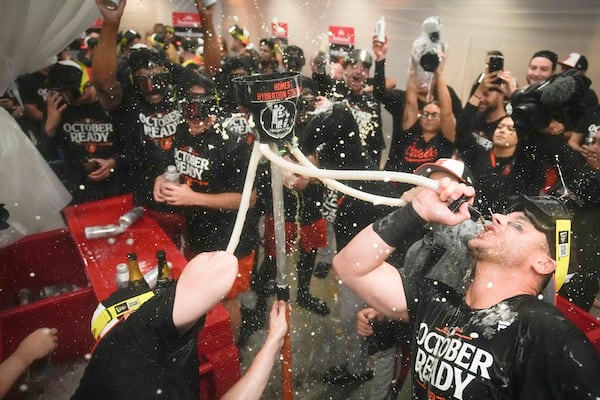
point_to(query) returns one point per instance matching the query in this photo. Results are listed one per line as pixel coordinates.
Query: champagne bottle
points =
(164, 277)
(135, 274)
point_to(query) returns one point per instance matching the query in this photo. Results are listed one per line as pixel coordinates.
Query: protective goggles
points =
(199, 107)
(150, 84)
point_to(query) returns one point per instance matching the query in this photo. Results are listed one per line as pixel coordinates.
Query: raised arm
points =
(410, 115)
(104, 64)
(361, 264)
(254, 381)
(212, 50)
(448, 120)
(380, 51)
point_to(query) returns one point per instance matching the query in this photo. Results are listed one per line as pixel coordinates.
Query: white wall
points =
(517, 27)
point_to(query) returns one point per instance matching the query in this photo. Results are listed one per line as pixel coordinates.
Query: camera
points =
(428, 47)
(495, 63)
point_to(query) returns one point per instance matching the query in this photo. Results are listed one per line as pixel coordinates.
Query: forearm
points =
(104, 66)
(410, 114)
(212, 50)
(448, 125)
(254, 381)
(379, 80)
(49, 128)
(361, 264)
(225, 201)
(33, 112)
(10, 370)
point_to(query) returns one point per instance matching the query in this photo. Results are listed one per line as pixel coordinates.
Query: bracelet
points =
(394, 227)
(477, 97)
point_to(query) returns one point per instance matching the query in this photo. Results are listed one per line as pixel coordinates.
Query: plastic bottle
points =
(380, 29)
(171, 174)
(135, 274)
(122, 276)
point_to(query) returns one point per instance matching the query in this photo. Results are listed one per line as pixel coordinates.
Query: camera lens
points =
(429, 61)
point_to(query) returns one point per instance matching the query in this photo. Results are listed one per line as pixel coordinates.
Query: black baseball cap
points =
(293, 57)
(67, 75)
(575, 60)
(543, 212)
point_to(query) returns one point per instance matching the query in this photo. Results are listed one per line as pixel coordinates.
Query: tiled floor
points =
(316, 345)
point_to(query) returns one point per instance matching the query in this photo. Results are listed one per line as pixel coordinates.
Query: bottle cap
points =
(122, 268)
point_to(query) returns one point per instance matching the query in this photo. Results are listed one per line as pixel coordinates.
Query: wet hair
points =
(550, 55)
(190, 77)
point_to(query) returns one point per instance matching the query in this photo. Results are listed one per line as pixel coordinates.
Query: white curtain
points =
(32, 32)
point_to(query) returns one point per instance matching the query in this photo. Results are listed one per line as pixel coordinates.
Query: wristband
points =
(395, 226)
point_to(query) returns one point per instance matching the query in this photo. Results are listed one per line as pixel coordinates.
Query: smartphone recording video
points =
(496, 63)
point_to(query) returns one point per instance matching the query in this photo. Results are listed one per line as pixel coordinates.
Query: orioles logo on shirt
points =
(166, 143)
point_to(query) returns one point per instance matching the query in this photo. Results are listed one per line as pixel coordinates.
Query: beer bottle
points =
(164, 277)
(135, 274)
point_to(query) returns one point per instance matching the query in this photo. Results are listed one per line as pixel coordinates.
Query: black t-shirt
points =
(412, 150)
(333, 137)
(494, 177)
(33, 91)
(366, 110)
(148, 133)
(306, 204)
(86, 131)
(214, 162)
(472, 122)
(521, 348)
(144, 357)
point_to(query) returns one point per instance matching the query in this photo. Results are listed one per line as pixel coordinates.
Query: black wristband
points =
(395, 226)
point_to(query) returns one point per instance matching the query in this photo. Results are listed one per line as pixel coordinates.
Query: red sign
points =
(341, 35)
(279, 29)
(186, 20)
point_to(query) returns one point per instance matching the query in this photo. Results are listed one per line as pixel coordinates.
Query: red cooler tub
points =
(219, 359)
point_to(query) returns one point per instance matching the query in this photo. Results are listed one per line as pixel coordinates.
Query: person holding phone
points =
(75, 123)
(486, 104)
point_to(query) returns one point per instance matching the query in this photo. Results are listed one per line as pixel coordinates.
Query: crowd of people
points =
(111, 120)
